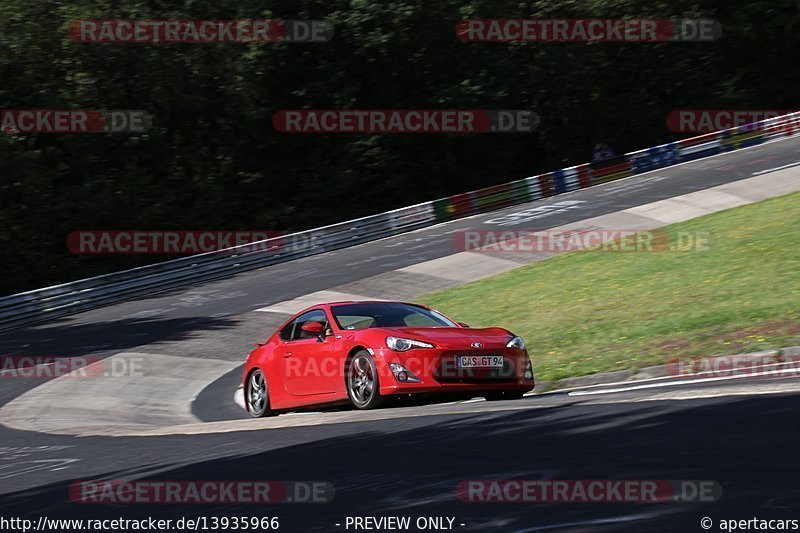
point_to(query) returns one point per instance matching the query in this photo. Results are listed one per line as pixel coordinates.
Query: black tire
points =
(257, 402)
(504, 395)
(363, 385)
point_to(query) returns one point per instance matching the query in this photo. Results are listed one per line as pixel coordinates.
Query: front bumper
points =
(437, 371)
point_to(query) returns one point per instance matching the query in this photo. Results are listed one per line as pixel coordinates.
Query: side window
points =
(317, 315)
(286, 332)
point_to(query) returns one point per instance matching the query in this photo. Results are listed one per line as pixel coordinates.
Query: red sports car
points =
(367, 352)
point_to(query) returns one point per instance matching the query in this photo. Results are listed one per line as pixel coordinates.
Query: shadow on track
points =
(411, 466)
(65, 338)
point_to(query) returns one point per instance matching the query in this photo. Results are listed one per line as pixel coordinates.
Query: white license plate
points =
(480, 361)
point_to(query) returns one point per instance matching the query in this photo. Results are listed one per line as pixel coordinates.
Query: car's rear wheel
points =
(504, 395)
(256, 394)
(362, 382)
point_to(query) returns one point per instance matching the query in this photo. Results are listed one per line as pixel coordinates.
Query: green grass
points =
(588, 312)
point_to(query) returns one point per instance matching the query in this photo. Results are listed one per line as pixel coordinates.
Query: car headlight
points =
(516, 342)
(403, 345)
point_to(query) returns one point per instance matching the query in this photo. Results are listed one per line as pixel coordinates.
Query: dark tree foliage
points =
(214, 161)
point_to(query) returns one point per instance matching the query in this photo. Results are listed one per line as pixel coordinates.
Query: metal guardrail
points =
(59, 300)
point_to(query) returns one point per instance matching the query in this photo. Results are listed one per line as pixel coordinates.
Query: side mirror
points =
(312, 328)
(463, 324)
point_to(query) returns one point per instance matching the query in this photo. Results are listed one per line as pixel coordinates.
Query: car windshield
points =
(387, 315)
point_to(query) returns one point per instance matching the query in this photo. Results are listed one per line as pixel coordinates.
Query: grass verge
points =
(588, 312)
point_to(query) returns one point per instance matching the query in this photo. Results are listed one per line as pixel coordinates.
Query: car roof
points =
(350, 302)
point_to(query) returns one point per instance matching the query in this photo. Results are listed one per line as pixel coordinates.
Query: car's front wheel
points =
(362, 382)
(504, 395)
(256, 394)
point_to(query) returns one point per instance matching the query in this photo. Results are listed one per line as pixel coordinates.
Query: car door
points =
(310, 364)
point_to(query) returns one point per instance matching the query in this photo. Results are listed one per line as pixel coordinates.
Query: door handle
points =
(288, 355)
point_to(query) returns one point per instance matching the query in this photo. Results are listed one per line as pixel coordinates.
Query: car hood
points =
(454, 337)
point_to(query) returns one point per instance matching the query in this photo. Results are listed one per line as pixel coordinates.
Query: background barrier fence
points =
(81, 295)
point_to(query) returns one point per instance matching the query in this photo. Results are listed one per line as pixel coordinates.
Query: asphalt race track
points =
(408, 460)
(411, 466)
